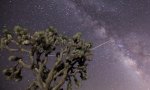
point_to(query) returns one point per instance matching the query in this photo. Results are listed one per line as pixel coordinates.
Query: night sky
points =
(123, 63)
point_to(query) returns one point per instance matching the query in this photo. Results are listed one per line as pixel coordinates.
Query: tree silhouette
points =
(71, 56)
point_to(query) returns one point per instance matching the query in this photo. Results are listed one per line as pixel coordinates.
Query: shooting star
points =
(95, 46)
(101, 44)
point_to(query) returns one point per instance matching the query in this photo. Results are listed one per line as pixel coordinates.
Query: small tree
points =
(71, 56)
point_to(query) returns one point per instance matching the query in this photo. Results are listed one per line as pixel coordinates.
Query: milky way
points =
(118, 29)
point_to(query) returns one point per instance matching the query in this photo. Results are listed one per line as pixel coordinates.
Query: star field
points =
(121, 64)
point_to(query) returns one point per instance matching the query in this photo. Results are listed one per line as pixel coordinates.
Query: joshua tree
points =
(71, 56)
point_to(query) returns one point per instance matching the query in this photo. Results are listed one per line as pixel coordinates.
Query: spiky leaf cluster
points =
(13, 73)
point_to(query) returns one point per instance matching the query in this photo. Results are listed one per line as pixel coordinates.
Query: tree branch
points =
(11, 49)
(62, 81)
(39, 79)
(53, 72)
(24, 64)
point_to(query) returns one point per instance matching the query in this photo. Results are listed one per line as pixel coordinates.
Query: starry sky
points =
(123, 63)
